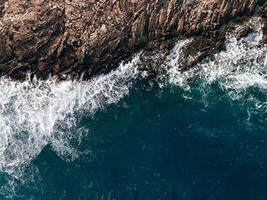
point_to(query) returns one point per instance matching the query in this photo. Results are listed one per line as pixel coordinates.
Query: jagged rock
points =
(75, 37)
(263, 14)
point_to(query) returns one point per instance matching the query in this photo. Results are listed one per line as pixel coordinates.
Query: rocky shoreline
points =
(74, 38)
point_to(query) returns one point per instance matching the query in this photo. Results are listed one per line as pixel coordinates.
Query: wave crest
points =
(36, 113)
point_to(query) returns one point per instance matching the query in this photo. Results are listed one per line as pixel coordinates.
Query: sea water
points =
(195, 135)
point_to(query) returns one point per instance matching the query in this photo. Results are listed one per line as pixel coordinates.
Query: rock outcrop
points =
(74, 37)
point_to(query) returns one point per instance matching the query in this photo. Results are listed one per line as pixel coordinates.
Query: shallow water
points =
(196, 135)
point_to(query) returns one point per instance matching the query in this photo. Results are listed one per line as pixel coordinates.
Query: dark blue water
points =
(198, 135)
(157, 144)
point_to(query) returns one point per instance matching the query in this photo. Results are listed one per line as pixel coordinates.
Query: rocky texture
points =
(263, 14)
(89, 37)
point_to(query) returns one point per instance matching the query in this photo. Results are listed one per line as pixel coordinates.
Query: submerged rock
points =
(88, 37)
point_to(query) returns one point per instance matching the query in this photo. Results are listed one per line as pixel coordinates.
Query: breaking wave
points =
(239, 72)
(35, 113)
(243, 64)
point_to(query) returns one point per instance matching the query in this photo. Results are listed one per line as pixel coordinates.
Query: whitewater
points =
(36, 113)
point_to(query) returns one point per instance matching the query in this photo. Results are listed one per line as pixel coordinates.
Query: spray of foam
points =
(243, 65)
(36, 113)
(240, 72)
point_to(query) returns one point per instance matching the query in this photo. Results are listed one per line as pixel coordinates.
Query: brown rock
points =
(72, 37)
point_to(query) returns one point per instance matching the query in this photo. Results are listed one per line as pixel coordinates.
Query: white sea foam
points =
(36, 113)
(239, 72)
(240, 67)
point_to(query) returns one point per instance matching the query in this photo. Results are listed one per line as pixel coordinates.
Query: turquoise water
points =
(198, 135)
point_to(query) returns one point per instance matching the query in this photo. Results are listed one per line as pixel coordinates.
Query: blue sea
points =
(195, 135)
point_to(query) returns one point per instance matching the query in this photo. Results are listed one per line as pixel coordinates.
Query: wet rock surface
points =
(86, 37)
